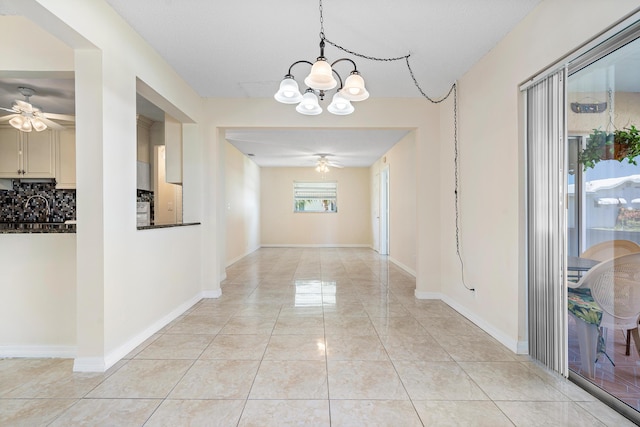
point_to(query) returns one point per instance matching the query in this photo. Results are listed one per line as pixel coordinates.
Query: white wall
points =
(280, 226)
(402, 201)
(129, 282)
(38, 295)
(241, 205)
(492, 187)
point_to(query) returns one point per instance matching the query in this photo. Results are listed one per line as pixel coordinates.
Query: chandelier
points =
(321, 79)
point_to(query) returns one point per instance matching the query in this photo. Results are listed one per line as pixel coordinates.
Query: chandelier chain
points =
(321, 22)
(372, 58)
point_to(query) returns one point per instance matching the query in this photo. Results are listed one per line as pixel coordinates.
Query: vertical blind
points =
(546, 210)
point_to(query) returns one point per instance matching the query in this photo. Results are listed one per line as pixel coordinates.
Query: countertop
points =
(155, 226)
(36, 227)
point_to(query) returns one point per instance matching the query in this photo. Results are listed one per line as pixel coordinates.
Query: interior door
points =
(375, 204)
(384, 212)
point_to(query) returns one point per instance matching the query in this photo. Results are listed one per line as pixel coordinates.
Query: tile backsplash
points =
(25, 202)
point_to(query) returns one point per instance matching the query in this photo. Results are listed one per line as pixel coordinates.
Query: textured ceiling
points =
(243, 49)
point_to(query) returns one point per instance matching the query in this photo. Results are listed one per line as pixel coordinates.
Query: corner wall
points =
(401, 161)
(129, 282)
(491, 145)
(241, 205)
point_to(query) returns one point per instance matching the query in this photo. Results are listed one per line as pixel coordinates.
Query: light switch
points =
(170, 206)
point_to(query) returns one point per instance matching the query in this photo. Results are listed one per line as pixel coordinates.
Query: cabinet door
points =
(10, 153)
(66, 166)
(173, 154)
(39, 154)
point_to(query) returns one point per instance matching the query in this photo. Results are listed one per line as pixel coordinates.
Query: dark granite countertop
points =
(36, 227)
(153, 227)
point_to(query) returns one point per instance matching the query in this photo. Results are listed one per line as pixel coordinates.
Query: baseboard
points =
(38, 351)
(216, 293)
(315, 245)
(518, 347)
(427, 295)
(511, 344)
(523, 347)
(238, 258)
(89, 364)
(411, 271)
(115, 355)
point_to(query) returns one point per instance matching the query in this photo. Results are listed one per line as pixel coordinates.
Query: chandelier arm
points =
(355, 67)
(338, 76)
(296, 63)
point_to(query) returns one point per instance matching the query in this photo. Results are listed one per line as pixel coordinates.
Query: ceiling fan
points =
(323, 163)
(26, 117)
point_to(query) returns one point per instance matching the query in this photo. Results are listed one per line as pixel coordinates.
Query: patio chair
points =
(615, 287)
(610, 249)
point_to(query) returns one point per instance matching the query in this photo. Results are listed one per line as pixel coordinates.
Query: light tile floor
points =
(310, 337)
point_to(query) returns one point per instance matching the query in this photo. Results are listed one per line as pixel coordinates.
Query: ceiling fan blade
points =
(335, 165)
(7, 118)
(65, 117)
(51, 124)
(24, 106)
(11, 110)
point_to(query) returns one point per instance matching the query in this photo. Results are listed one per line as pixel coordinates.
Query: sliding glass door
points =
(603, 194)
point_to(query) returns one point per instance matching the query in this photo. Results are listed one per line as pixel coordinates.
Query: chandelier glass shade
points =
(309, 104)
(340, 105)
(323, 77)
(289, 93)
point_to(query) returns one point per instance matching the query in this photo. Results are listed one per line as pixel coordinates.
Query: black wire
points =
(456, 186)
(454, 89)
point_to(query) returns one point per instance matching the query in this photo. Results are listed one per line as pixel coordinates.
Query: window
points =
(315, 196)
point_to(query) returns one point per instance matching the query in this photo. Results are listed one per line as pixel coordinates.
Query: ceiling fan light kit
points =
(321, 79)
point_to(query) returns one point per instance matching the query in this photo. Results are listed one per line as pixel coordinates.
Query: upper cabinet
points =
(173, 149)
(27, 155)
(66, 159)
(46, 154)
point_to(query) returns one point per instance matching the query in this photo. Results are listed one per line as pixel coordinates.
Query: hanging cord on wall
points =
(454, 90)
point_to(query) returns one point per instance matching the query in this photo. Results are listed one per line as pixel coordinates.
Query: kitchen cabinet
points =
(173, 154)
(27, 155)
(66, 159)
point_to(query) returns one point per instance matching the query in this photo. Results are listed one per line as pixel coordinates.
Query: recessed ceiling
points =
(302, 147)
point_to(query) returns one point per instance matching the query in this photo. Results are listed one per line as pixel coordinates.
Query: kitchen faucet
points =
(46, 203)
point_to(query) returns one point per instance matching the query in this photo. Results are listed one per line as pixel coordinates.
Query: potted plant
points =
(618, 145)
